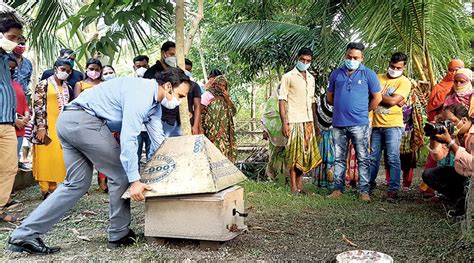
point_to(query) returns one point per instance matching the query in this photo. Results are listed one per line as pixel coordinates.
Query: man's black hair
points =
(214, 73)
(93, 61)
(167, 45)
(175, 76)
(141, 58)
(188, 62)
(61, 62)
(458, 110)
(8, 24)
(65, 51)
(355, 45)
(399, 56)
(305, 52)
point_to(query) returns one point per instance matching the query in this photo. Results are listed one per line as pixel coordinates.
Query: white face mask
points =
(394, 73)
(171, 61)
(62, 75)
(7, 44)
(108, 77)
(141, 72)
(170, 104)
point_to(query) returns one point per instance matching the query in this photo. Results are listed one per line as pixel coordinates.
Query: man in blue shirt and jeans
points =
(84, 129)
(354, 90)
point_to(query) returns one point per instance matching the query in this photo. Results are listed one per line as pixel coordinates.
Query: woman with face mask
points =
(462, 92)
(108, 73)
(50, 97)
(217, 118)
(93, 76)
(442, 89)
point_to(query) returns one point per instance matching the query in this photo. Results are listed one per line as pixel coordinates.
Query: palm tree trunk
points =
(183, 110)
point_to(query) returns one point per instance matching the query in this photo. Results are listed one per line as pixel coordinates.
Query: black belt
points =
(7, 123)
(72, 108)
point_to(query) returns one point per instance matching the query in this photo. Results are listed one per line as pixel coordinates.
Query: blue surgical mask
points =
(189, 74)
(302, 66)
(351, 64)
(72, 63)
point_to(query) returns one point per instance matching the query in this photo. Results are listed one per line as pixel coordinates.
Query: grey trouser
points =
(86, 142)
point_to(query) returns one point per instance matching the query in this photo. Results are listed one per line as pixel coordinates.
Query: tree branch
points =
(194, 27)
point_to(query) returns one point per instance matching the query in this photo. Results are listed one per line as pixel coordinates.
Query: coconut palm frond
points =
(7, 11)
(414, 27)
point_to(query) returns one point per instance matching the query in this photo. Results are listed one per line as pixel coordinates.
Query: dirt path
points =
(281, 227)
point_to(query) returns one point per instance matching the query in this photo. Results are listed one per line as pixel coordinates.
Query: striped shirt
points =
(7, 93)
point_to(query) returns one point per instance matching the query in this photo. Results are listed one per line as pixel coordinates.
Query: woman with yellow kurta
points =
(93, 76)
(50, 97)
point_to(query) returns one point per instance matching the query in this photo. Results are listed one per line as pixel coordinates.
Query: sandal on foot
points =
(8, 218)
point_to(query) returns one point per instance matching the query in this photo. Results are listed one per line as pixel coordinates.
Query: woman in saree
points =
(271, 121)
(50, 97)
(218, 117)
(324, 173)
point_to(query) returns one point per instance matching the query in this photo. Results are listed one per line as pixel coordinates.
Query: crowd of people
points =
(62, 120)
(76, 122)
(340, 137)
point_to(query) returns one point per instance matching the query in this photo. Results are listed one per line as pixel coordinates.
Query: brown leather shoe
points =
(364, 197)
(336, 194)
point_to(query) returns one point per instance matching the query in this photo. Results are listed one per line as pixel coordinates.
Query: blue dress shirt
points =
(7, 93)
(125, 103)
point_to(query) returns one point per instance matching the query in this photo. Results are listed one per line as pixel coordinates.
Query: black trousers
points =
(448, 182)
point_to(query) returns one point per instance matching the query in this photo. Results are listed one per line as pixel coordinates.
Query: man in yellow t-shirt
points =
(387, 123)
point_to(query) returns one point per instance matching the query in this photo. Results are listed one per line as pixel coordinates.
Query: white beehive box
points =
(213, 217)
(188, 165)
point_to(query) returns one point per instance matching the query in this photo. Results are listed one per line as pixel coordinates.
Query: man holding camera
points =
(447, 180)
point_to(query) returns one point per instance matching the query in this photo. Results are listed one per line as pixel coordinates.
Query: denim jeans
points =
(18, 148)
(143, 138)
(359, 135)
(171, 130)
(388, 139)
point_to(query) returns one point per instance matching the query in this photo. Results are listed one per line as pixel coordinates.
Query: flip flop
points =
(8, 218)
(12, 205)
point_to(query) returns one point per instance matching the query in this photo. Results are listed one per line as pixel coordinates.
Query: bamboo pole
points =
(183, 110)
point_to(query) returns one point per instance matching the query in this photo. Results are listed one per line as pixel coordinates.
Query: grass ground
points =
(281, 227)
